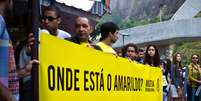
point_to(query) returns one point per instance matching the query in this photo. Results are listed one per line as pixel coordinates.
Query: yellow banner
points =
(70, 72)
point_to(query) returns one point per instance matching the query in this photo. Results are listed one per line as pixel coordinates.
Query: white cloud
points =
(82, 4)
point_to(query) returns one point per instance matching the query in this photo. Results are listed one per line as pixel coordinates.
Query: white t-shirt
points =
(24, 59)
(62, 34)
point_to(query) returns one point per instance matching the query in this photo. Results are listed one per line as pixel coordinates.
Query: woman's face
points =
(195, 59)
(151, 51)
(131, 52)
(178, 58)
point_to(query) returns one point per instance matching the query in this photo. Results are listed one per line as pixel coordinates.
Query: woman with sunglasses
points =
(194, 78)
(177, 78)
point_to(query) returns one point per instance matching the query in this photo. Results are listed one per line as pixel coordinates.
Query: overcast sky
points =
(82, 4)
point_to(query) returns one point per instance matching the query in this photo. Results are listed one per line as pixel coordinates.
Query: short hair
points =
(106, 28)
(3, 1)
(51, 8)
(89, 21)
(124, 49)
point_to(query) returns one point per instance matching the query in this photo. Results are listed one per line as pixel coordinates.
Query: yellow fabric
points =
(85, 44)
(68, 71)
(105, 48)
(193, 73)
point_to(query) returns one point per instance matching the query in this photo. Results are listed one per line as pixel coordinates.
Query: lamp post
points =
(160, 12)
(123, 37)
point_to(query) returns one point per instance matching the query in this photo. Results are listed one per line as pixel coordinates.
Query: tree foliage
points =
(123, 23)
(187, 49)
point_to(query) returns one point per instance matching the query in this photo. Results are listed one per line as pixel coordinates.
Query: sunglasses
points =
(49, 18)
(194, 57)
(130, 51)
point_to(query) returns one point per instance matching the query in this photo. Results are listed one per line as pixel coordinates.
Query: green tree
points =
(123, 23)
(187, 49)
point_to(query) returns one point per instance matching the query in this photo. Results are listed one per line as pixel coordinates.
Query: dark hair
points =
(168, 64)
(106, 28)
(156, 59)
(4, 1)
(197, 56)
(140, 50)
(175, 60)
(51, 8)
(124, 49)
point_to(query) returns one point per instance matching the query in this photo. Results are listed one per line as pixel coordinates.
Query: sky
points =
(82, 4)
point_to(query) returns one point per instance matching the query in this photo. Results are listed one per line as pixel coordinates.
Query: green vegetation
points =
(123, 23)
(198, 15)
(187, 49)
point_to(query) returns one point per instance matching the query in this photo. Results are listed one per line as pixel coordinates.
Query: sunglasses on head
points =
(50, 18)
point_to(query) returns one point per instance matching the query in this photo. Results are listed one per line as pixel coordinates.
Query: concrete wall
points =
(188, 10)
(162, 33)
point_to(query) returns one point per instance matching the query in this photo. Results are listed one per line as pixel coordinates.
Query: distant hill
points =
(142, 9)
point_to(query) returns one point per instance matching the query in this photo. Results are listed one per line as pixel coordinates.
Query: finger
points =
(31, 34)
(34, 61)
(31, 43)
(31, 39)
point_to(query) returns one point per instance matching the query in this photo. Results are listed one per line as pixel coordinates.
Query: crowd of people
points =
(179, 83)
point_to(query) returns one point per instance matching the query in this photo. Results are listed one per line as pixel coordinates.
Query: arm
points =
(27, 69)
(5, 95)
(2, 25)
(191, 77)
(173, 74)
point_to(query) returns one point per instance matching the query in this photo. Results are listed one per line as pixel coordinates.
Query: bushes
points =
(187, 49)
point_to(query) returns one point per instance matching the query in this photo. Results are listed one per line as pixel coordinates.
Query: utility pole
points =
(34, 7)
(160, 12)
(123, 37)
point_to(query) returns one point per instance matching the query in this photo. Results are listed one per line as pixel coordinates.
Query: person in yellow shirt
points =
(194, 78)
(109, 35)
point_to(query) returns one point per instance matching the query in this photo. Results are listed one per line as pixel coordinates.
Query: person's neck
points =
(107, 42)
(84, 41)
(194, 63)
(178, 65)
(54, 32)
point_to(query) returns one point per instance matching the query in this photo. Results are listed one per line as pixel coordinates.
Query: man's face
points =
(5, 7)
(141, 54)
(2, 7)
(82, 28)
(50, 21)
(114, 36)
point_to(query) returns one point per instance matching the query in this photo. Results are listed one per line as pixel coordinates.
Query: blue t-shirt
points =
(4, 52)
